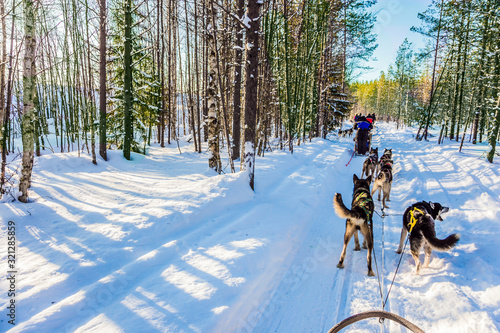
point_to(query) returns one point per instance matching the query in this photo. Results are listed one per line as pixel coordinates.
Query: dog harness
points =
(361, 200)
(413, 219)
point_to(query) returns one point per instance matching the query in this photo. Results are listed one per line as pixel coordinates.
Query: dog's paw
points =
(340, 265)
(370, 273)
(399, 251)
(357, 248)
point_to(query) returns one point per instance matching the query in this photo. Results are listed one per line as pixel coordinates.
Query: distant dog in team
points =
(343, 133)
(387, 155)
(359, 217)
(370, 164)
(383, 182)
(419, 218)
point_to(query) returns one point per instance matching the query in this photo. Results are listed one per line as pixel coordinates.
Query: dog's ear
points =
(432, 205)
(355, 178)
(369, 179)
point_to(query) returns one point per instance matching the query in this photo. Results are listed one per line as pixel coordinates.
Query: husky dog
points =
(350, 131)
(387, 155)
(357, 218)
(370, 164)
(423, 214)
(383, 182)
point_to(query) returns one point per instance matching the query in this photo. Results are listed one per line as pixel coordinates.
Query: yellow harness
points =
(413, 219)
(363, 199)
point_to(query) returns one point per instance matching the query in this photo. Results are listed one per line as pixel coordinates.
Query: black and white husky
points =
(357, 218)
(383, 182)
(370, 164)
(423, 214)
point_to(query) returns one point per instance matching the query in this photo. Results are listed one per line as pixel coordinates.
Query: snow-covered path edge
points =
(161, 244)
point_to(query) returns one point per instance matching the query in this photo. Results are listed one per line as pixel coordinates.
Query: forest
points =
(238, 77)
(178, 165)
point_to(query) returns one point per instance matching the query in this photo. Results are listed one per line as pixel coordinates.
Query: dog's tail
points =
(440, 244)
(340, 208)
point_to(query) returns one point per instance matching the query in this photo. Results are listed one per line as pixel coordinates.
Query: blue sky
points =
(394, 21)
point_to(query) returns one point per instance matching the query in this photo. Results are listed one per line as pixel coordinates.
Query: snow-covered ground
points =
(162, 244)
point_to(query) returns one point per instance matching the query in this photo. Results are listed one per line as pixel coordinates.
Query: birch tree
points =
(29, 91)
(211, 93)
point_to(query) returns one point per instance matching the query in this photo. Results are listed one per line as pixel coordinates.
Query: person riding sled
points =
(363, 135)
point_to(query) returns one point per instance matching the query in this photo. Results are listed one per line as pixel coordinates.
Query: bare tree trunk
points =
(197, 75)
(3, 61)
(481, 72)
(252, 76)
(6, 114)
(102, 80)
(224, 112)
(29, 90)
(431, 95)
(90, 94)
(213, 126)
(127, 81)
(237, 83)
(189, 80)
(494, 133)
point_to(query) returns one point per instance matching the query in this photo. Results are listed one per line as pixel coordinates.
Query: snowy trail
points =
(162, 244)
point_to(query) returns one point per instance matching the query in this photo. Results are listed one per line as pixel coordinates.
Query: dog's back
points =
(424, 214)
(383, 182)
(357, 218)
(370, 163)
(418, 219)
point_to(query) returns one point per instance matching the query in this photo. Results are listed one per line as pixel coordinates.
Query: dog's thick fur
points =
(383, 182)
(423, 233)
(357, 218)
(387, 155)
(370, 164)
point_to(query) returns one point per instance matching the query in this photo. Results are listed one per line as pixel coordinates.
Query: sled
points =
(362, 142)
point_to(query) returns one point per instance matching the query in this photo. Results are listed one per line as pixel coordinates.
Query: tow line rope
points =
(384, 302)
(351, 158)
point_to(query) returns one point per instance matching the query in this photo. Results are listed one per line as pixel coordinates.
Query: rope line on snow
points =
(376, 266)
(396, 272)
(350, 159)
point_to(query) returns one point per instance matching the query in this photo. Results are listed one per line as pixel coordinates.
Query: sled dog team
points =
(347, 132)
(418, 219)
